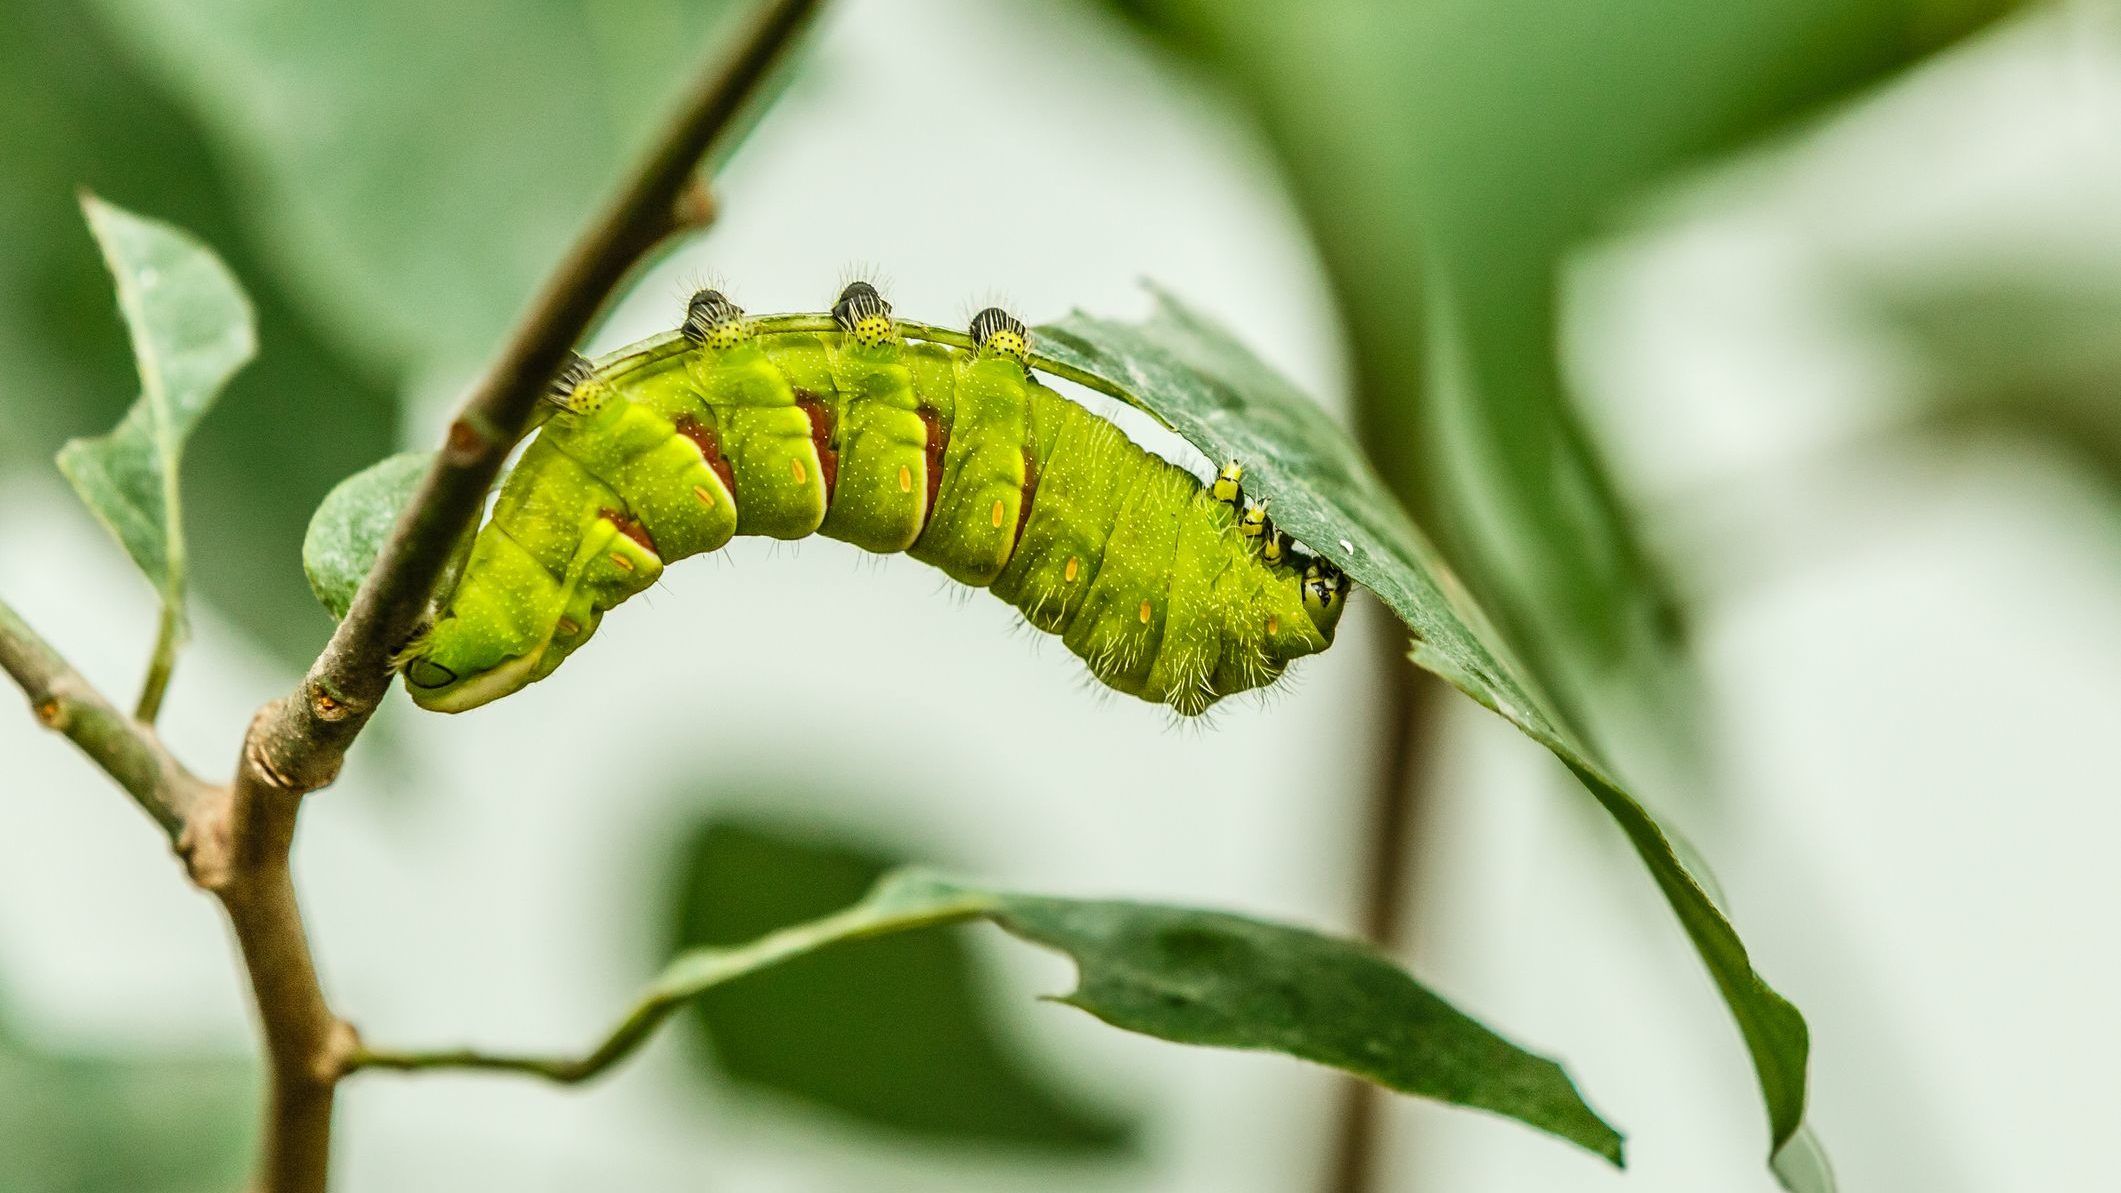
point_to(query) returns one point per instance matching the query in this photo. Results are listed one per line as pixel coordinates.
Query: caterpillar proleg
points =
(866, 429)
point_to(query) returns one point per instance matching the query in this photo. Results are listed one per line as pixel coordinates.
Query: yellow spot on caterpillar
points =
(724, 336)
(905, 479)
(795, 467)
(996, 517)
(1273, 624)
(1074, 566)
(700, 491)
(569, 626)
(621, 562)
(1145, 612)
(872, 331)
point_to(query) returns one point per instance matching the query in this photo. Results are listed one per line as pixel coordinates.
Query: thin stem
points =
(125, 749)
(688, 975)
(238, 846)
(300, 741)
(169, 634)
(1392, 825)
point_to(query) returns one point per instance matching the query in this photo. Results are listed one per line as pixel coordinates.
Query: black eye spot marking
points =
(426, 673)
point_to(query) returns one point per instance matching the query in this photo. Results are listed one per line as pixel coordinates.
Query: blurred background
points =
(1754, 363)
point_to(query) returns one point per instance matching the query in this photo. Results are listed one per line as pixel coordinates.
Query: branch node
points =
(695, 207)
(342, 1044)
(327, 705)
(254, 754)
(467, 439)
(204, 845)
(51, 714)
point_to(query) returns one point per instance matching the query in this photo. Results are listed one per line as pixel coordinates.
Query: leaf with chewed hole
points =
(1188, 371)
(191, 329)
(1189, 976)
(348, 529)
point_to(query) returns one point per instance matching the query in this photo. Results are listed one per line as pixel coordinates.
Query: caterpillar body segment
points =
(1171, 591)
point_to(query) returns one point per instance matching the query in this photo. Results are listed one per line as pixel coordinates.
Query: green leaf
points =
(1204, 977)
(76, 111)
(1196, 977)
(893, 1031)
(1449, 155)
(413, 167)
(348, 529)
(191, 329)
(1230, 405)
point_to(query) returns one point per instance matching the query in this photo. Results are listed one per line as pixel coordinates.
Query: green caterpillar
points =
(856, 429)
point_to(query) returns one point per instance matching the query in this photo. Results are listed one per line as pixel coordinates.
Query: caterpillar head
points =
(712, 321)
(453, 667)
(996, 332)
(864, 315)
(1325, 594)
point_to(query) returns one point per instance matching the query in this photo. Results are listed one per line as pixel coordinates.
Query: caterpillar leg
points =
(1325, 594)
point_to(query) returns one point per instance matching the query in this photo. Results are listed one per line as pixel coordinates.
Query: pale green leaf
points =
(191, 330)
(348, 529)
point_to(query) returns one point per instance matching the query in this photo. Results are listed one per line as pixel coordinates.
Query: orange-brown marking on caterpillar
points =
(710, 445)
(631, 527)
(822, 436)
(938, 443)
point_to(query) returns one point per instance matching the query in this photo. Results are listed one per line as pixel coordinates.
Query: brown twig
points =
(125, 749)
(236, 840)
(297, 745)
(1392, 823)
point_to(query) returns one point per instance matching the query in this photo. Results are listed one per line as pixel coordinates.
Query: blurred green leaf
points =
(1230, 405)
(192, 329)
(75, 112)
(416, 167)
(111, 1124)
(1204, 977)
(1448, 155)
(893, 1031)
(2013, 356)
(348, 529)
